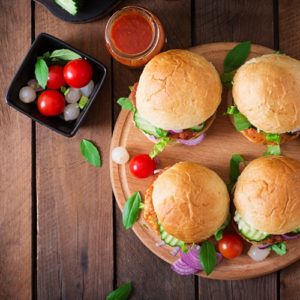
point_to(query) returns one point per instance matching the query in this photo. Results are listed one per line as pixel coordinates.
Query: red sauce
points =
(131, 33)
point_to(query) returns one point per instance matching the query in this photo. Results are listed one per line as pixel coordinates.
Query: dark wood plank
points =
(216, 21)
(289, 43)
(15, 159)
(75, 233)
(152, 278)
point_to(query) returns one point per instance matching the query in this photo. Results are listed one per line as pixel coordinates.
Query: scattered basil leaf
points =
(279, 248)
(219, 233)
(236, 56)
(126, 104)
(234, 169)
(121, 293)
(208, 257)
(130, 88)
(161, 132)
(241, 122)
(273, 137)
(159, 147)
(41, 72)
(198, 128)
(232, 110)
(227, 79)
(131, 210)
(272, 150)
(63, 89)
(90, 153)
(83, 102)
(64, 54)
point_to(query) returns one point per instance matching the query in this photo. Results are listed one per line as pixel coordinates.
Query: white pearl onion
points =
(73, 95)
(71, 112)
(120, 155)
(27, 94)
(258, 254)
(88, 89)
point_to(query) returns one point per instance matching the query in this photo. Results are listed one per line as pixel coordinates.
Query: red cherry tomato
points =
(51, 103)
(78, 73)
(55, 77)
(142, 166)
(231, 245)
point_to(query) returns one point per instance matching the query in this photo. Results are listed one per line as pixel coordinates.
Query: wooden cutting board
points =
(214, 152)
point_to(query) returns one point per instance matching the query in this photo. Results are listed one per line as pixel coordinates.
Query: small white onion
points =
(27, 94)
(88, 89)
(71, 112)
(73, 95)
(258, 254)
(120, 155)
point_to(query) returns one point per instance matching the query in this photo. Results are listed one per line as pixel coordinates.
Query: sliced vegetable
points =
(159, 147)
(279, 248)
(258, 254)
(287, 237)
(297, 230)
(131, 210)
(273, 137)
(273, 150)
(41, 72)
(234, 169)
(83, 102)
(192, 142)
(208, 257)
(198, 128)
(182, 268)
(171, 240)
(71, 6)
(121, 293)
(240, 121)
(126, 104)
(219, 233)
(90, 153)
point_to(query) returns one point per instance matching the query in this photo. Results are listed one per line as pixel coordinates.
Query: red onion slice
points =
(192, 142)
(182, 268)
(295, 130)
(175, 131)
(287, 237)
(153, 138)
(264, 246)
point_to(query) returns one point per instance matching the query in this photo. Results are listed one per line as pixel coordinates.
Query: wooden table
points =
(61, 235)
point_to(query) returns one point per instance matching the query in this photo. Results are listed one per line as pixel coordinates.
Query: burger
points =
(187, 203)
(265, 104)
(176, 98)
(267, 200)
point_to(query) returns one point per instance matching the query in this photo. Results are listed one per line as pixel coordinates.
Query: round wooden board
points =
(214, 152)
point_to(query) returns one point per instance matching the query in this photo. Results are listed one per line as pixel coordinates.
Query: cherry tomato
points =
(78, 73)
(142, 166)
(55, 77)
(51, 103)
(231, 245)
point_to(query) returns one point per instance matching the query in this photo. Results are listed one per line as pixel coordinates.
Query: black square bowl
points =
(43, 43)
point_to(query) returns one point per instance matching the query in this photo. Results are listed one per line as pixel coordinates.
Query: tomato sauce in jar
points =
(133, 36)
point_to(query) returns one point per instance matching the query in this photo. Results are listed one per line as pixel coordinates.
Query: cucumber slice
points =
(171, 240)
(297, 230)
(250, 233)
(147, 127)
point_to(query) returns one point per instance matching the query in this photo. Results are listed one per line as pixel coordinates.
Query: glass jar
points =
(133, 36)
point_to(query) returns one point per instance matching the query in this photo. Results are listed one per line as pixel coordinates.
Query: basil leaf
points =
(219, 233)
(121, 293)
(232, 110)
(234, 169)
(83, 102)
(64, 54)
(159, 147)
(161, 132)
(273, 137)
(208, 257)
(241, 122)
(272, 150)
(41, 72)
(90, 153)
(227, 79)
(131, 210)
(126, 104)
(198, 128)
(279, 248)
(236, 56)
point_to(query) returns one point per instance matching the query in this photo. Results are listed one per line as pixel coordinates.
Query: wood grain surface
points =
(75, 233)
(15, 160)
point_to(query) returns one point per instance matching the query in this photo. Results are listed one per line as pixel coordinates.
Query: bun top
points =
(191, 201)
(178, 89)
(266, 90)
(267, 194)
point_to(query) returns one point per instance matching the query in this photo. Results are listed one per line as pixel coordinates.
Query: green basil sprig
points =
(272, 150)
(131, 210)
(240, 121)
(90, 153)
(64, 54)
(279, 248)
(234, 169)
(208, 257)
(121, 293)
(41, 72)
(233, 60)
(159, 147)
(126, 104)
